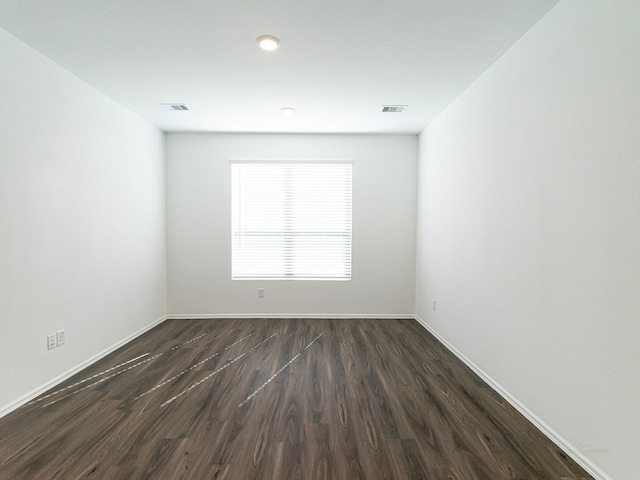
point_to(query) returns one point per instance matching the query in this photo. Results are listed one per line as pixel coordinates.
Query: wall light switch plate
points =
(59, 337)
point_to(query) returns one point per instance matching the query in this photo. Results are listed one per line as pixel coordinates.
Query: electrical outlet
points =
(51, 341)
(59, 338)
(434, 305)
(261, 293)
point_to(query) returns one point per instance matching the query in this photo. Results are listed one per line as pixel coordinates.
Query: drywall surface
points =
(82, 221)
(529, 227)
(199, 226)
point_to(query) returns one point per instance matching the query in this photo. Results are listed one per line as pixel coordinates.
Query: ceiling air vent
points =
(173, 106)
(394, 108)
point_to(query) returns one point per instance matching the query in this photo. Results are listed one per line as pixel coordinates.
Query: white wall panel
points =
(529, 227)
(82, 221)
(199, 226)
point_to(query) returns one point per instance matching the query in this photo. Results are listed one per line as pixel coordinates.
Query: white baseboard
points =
(554, 436)
(69, 373)
(322, 316)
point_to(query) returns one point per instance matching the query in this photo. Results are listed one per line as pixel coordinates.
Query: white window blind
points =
(291, 220)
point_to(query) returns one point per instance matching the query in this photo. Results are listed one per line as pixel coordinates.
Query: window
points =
(291, 220)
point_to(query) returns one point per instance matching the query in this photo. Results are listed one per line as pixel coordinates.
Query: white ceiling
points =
(339, 62)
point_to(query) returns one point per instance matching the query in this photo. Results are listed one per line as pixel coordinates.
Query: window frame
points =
(348, 249)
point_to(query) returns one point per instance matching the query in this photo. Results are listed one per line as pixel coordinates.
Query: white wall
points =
(82, 221)
(529, 227)
(199, 238)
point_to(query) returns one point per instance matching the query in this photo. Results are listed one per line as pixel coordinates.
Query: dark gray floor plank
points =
(369, 399)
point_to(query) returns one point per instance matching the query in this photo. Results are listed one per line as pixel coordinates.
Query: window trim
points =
(277, 161)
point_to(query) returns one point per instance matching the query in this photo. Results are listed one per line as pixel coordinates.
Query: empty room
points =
(294, 239)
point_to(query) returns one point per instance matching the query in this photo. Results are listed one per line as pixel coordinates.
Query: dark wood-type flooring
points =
(368, 399)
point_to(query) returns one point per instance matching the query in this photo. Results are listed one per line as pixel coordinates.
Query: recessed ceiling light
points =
(288, 110)
(268, 42)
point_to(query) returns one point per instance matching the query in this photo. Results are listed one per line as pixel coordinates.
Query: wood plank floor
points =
(277, 399)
